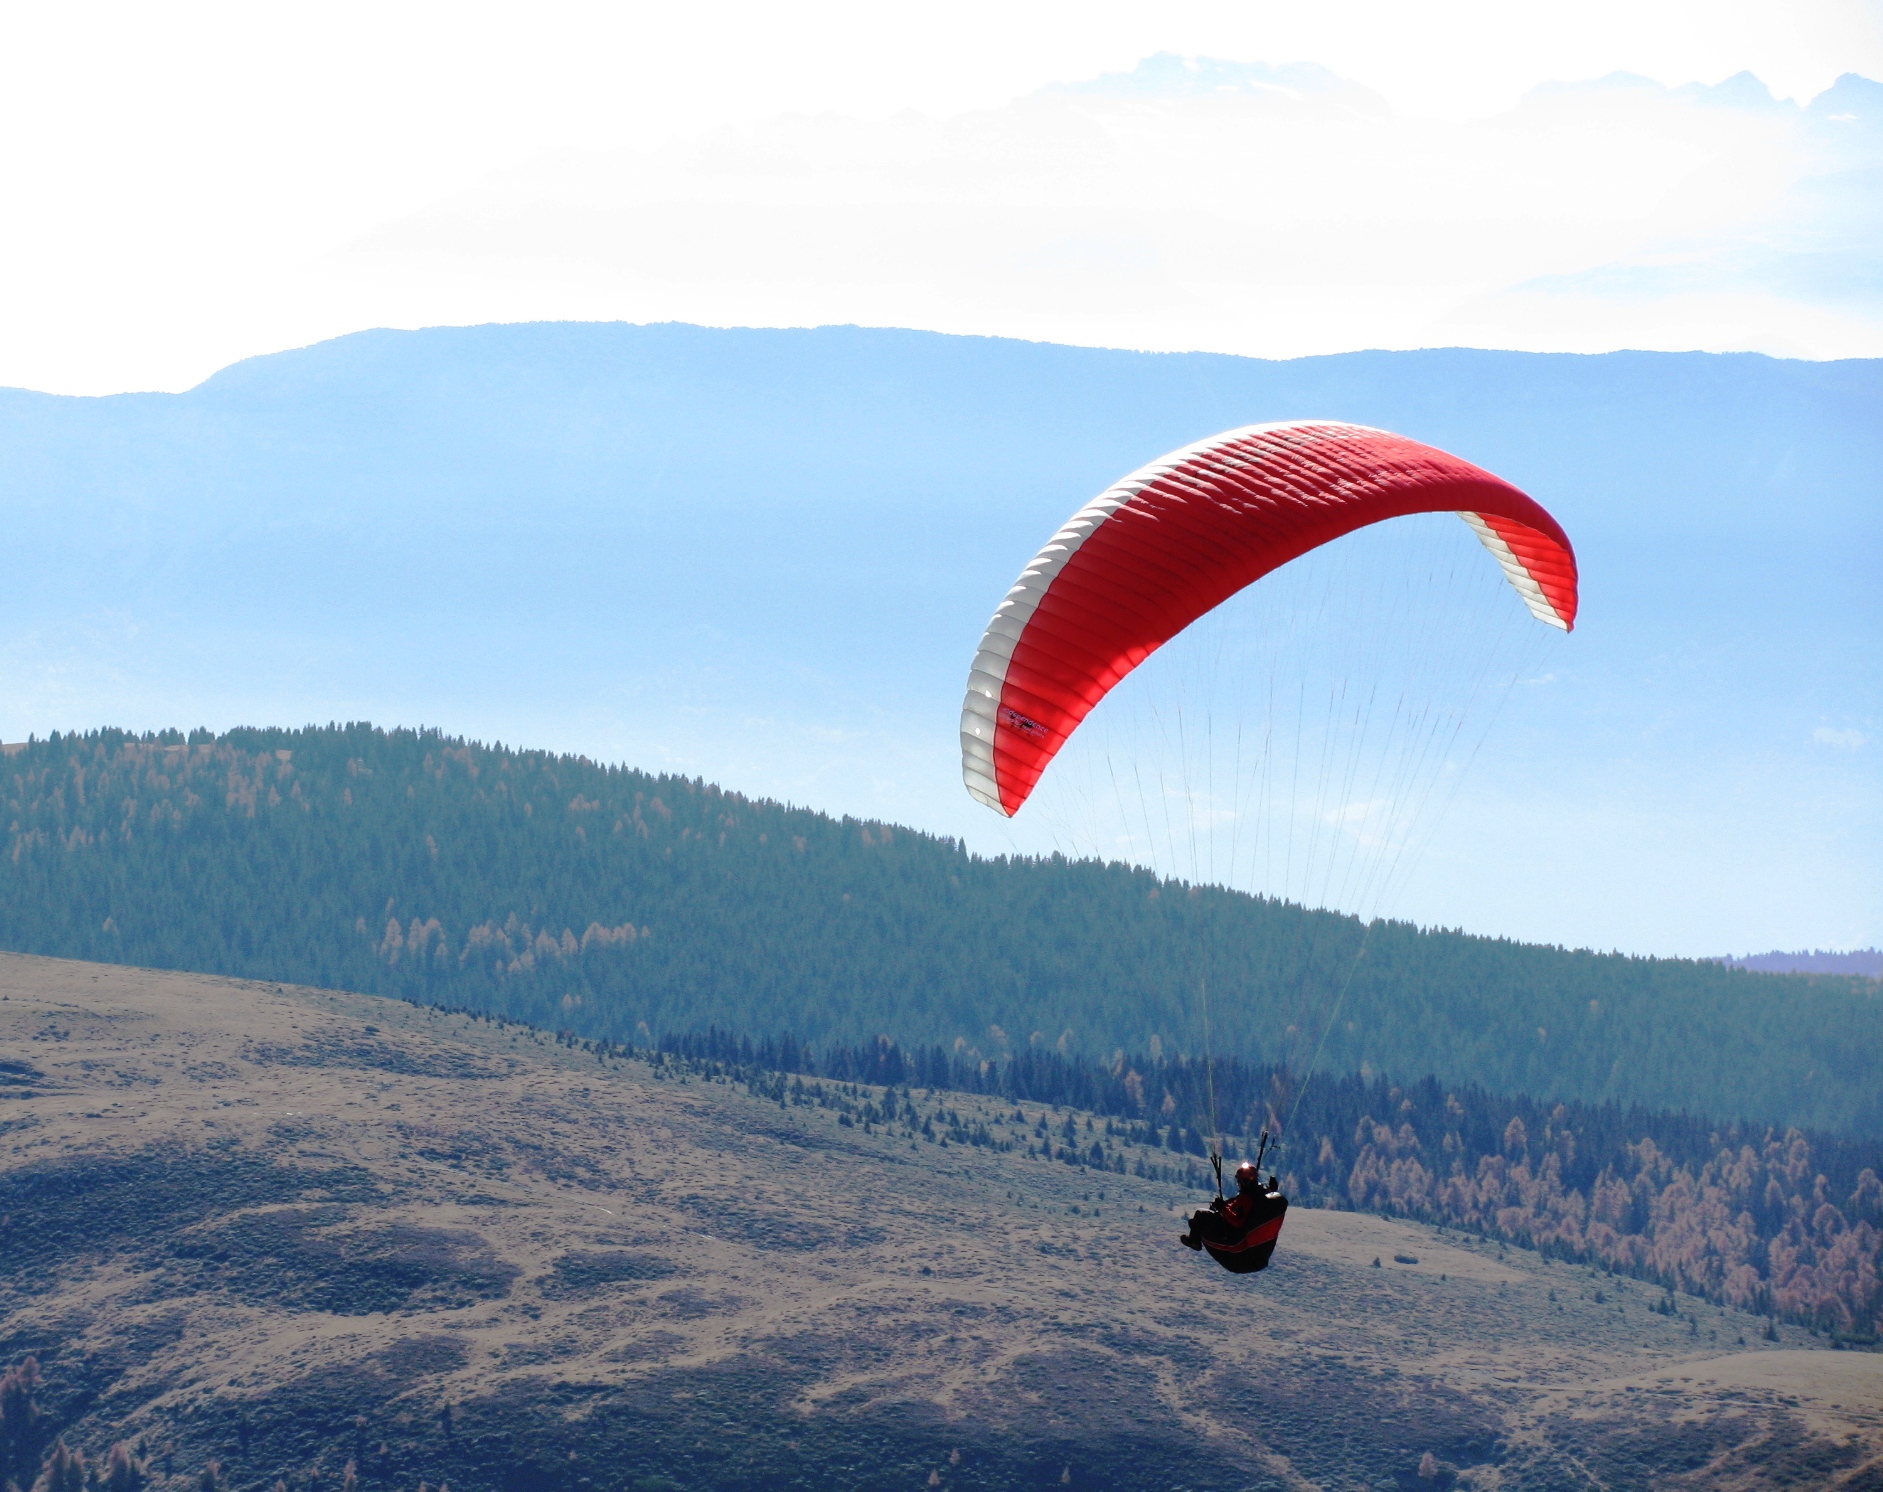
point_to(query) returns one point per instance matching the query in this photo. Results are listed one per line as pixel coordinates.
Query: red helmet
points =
(1247, 1175)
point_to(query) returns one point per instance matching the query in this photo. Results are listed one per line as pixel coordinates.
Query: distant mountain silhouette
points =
(764, 557)
(1865, 961)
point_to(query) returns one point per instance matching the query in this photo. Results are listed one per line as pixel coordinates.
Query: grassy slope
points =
(288, 1229)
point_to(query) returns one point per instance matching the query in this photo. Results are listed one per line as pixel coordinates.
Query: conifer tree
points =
(19, 1418)
(64, 1470)
(124, 1472)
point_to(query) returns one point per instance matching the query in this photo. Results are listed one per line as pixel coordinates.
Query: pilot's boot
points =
(1190, 1241)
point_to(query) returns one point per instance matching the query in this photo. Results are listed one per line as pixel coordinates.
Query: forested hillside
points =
(616, 904)
(1788, 1224)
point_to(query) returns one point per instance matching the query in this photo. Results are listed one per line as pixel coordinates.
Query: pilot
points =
(1240, 1232)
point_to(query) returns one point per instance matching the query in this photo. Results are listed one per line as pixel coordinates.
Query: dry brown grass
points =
(491, 1221)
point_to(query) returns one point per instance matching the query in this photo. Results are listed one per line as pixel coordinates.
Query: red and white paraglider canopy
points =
(1175, 539)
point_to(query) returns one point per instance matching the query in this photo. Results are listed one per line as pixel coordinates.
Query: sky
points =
(189, 185)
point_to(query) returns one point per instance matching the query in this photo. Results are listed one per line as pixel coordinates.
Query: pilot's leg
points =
(1205, 1227)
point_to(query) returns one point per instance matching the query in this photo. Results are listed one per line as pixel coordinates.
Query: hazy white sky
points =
(179, 179)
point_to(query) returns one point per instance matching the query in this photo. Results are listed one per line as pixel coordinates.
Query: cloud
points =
(1167, 76)
(1843, 740)
(1194, 203)
(1775, 246)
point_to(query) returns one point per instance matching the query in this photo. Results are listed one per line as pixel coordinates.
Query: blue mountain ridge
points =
(763, 557)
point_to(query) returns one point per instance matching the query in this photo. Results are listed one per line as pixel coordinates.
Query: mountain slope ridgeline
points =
(616, 904)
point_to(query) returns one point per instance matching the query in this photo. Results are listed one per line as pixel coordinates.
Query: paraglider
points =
(1176, 538)
(1169, 545)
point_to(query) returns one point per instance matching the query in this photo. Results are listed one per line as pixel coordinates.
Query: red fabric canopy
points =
(1173, 540)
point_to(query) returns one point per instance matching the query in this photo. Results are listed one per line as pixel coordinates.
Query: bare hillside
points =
(287, 1229)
